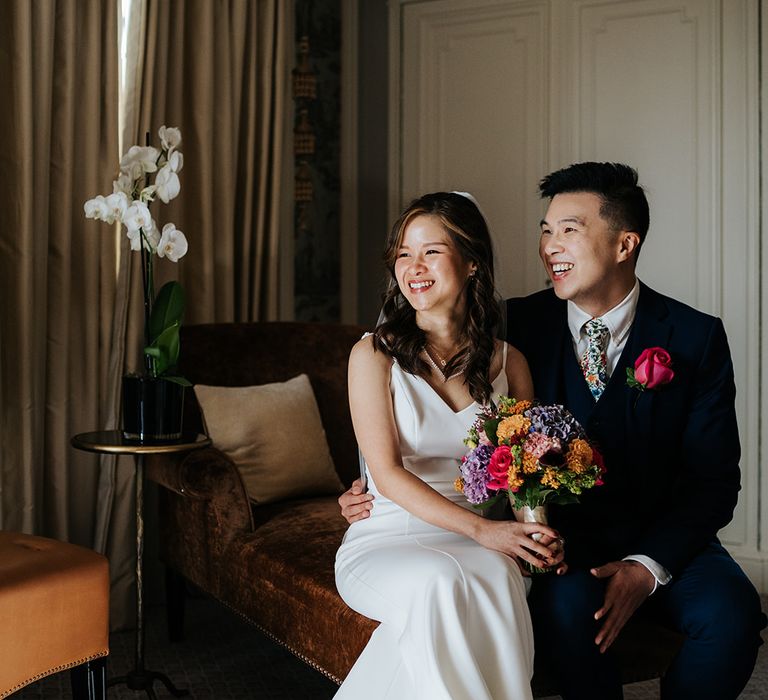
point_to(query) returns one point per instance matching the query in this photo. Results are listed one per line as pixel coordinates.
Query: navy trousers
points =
(711, 602)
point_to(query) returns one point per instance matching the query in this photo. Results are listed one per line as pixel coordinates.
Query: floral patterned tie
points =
(594, 361)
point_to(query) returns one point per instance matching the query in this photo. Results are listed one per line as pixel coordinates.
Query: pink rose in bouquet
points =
(498, 468)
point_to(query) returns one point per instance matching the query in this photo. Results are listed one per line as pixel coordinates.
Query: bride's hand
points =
(557, 546)
(516, 540)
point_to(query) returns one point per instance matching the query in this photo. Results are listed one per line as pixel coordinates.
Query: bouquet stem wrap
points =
(537, 514)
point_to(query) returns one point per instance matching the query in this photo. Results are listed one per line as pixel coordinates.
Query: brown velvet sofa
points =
(273, 564)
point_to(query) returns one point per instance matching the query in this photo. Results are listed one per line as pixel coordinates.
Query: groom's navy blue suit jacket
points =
(672, 454)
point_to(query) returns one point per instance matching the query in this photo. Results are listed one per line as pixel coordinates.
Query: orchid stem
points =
(149, 292)
(146, 272)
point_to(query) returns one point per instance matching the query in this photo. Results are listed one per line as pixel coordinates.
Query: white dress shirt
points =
(619, 322)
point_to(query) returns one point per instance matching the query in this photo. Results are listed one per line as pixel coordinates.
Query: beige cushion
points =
(274, 434)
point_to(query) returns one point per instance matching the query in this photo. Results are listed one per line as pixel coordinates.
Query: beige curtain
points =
(58, 147)
(217, 70)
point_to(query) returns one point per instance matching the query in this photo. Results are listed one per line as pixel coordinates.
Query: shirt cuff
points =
(660, 575)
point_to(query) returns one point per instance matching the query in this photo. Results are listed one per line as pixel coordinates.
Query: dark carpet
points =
(223, 658)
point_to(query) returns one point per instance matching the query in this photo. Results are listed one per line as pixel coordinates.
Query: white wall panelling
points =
(738, 249)
(474, 85)
(489, 95)
(761, 379)
(644, 89)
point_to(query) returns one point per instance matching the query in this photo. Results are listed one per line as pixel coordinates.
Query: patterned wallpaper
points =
(316, 90)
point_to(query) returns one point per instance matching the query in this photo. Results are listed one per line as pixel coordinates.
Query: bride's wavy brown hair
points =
(399, 336)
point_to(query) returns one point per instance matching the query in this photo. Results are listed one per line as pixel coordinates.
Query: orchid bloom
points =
(148, 235)
(167, 182)
(137, 216)
(173, 243)
(117, 204)
(170, 137)
(139, 160)
(96, 208)
(148, 194)
(124, 183)
(176, 161)
(152, 236)
(135, 238)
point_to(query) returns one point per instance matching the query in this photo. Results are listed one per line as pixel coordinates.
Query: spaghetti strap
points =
(504, 355)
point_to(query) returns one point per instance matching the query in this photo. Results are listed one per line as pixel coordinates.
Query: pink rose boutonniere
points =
(653, 369)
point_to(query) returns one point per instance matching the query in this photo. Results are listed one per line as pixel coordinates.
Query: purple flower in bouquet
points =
(555, 422)
(474, 473)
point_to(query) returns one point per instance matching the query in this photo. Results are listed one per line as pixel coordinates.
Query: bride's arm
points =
(374, 422)
(518, 375)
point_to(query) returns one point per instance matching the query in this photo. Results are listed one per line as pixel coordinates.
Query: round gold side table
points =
(113, 442)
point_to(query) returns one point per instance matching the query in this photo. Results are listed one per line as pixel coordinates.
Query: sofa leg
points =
(175, 595)
(89, 680)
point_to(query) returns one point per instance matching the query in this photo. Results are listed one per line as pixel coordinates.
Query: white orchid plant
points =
(132, 193)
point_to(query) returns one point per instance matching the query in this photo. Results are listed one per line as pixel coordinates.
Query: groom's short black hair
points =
(624, 205)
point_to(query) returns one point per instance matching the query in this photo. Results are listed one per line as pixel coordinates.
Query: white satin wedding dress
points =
(454, 617)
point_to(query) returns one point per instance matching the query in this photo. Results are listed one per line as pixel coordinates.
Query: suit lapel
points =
(650, 329)
(549, 362)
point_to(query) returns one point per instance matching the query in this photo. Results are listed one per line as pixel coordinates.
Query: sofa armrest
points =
(204, 506)
(208, 475)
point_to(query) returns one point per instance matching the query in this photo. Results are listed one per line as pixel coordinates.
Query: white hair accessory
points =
(468, 196)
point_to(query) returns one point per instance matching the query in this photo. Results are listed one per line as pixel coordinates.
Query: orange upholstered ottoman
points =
(54, 613)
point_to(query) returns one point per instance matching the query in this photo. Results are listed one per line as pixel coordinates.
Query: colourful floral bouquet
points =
(530, 453)
(534, 454)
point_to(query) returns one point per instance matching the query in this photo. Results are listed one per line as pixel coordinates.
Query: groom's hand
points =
(628, 584)
(355, 503)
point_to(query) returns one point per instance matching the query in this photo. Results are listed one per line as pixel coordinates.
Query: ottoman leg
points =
(89, 680)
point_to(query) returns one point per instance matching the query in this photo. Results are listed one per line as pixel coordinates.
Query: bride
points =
(444, 582)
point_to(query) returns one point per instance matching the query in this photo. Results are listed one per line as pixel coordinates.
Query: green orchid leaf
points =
(165, 350)
(177, 380)
(168, 342)
(167, 310)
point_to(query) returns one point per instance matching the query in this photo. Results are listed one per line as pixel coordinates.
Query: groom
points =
(645, 542)
(648, 538)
